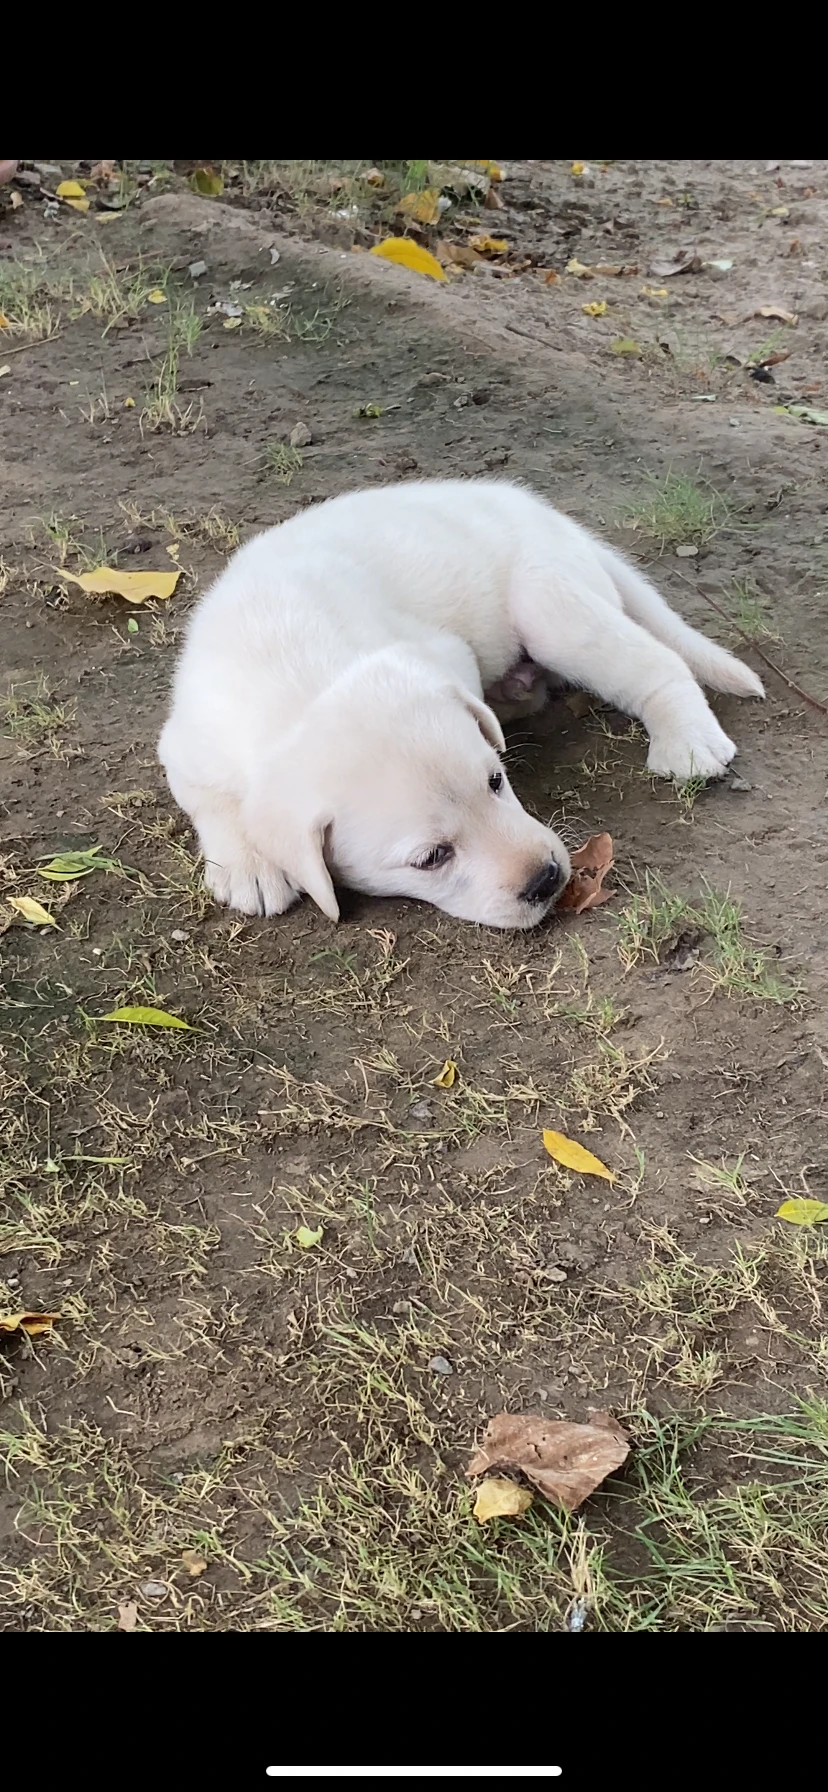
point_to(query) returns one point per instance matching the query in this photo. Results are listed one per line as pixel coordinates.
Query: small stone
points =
(416, 1613)
(422, 1112)
(556, 1275)
(154, 1589)
(686, 553)
(274, 257)
(740, 784)
(96, 951)
(179, 934)
(48, 170)
(301, 436)
(401, 1306)
(196, 269)
(440, 1365)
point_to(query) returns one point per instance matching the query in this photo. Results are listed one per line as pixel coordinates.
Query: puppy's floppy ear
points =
(486, 721)
(287, 822)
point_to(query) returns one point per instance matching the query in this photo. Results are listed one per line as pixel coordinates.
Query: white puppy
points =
(328, 716)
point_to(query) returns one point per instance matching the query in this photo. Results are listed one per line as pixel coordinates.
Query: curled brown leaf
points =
(590, 864)
(565, 1462)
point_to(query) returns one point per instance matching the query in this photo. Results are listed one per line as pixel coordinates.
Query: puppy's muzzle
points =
(545, 884)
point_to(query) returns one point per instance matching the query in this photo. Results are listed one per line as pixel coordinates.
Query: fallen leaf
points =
(574, 1156)
(374, 177)
(684, 264)
(157, 296)
(407, 254)
(489, 245)
(590, 864)
(457, 254)
(654, 292)
(5, 322)
(4, 371)
(368, 410)
(146, 1017)
(563, 1461)
(69, 189)
(499, 1498)
(550, 277)
(578, 269)
(136, 587)
(803, 1213)
(596, 308)
(490, 168)
(193, 1562)
(448, 1075)
(784, 354)
(778, 211)
(129, 404)
(423, 207)
(33, 1324)
(625, 345)
(78, 205)
(127, 1615)
(67, 867)
(306, 1239)
(577, 167)
(805, 412)
(235, 323)
(32, 911)
(206, 182)
(132, 626)
(783, 317)
(612, 267)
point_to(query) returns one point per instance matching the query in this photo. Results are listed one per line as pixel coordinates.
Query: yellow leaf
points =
(31, 1323)
(578, 167)
(68, 866)
(424, 207)
(129, 404)
(488, 245)
(70, 189)
(207, 182)
(654, 292)
(32, 911)
(578, 269)
(574, 1156)
(156, 297)
(235, 323)
(136, 587)
(4, 322)
(146, 1017)
(409, 255)
(596, 309)
(491, 168)
(448, 1075)
(306, 1239)
(803, 1213)
(193, 1562)
(78, 205)
(499, 1498)
(625, 345)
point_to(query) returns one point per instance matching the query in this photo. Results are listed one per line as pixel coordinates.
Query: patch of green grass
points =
(161, 408)
(750, 611)
(30, 713)
(283, 461)
(655, 918)
(678, 511)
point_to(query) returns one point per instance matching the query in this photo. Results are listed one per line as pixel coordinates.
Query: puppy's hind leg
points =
(234, 872)
(575, 631)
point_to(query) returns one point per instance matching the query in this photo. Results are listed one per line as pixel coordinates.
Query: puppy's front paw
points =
(696, 752)
(250, 885)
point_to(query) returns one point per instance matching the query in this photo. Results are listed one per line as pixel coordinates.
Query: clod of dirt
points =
(301, 436)
(127, 1615)
(564, 1462)
(590, 864)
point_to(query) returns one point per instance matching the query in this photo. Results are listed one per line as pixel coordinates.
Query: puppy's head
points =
(394, 784)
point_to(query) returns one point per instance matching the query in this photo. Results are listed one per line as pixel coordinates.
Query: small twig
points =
(38, 344)
(797, 689)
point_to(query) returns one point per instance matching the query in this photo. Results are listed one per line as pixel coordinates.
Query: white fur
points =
(328, 711)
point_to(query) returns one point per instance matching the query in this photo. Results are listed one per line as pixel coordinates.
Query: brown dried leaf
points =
(590, 865)
(32, 1323)
(563, 1461)
(784, 317)
(684, 264)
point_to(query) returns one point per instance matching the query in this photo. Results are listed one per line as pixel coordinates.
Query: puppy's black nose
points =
(544, 884)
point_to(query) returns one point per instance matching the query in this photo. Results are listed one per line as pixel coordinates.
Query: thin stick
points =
(797, 689)
(24, 345)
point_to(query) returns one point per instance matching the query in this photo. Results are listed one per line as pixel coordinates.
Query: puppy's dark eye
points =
(437, 856)
(496, 782)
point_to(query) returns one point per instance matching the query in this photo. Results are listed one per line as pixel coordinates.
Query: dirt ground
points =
(224, 1430)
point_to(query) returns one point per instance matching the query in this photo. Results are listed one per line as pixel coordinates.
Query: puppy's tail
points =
(712, 665)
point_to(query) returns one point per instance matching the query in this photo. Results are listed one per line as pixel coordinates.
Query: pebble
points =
(154, 1589)
(196, 269)
(179, 934)
(440, 1365)
(740, 784)
(686, 553)
(301, 436)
